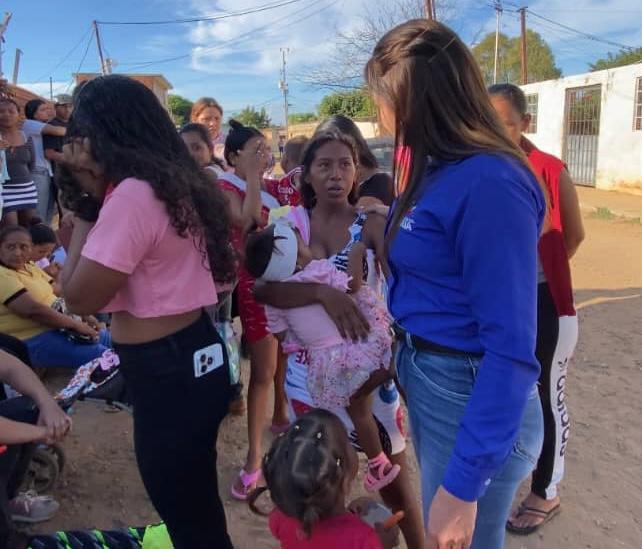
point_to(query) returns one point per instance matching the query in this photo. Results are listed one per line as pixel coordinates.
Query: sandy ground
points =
(602, 492)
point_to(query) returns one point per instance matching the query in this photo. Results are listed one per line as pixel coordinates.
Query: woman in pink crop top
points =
(150, 238)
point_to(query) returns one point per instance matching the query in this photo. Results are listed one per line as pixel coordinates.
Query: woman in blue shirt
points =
(462, 244)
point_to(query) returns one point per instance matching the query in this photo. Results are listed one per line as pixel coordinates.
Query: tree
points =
(353, 104)
(484, 52)
(302, 117)
(249, 116)
(541, 62)
(343, 68)
(180, 108)
(621, 58)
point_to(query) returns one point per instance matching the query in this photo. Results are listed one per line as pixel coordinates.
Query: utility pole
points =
(431, 12)
(103, 66)
(51, 88)
(3, 29)
(498, 11)
(283, 86)
(16, 66)
(522, 18)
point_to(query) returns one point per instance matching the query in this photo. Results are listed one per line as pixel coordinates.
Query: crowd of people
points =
(446, 285)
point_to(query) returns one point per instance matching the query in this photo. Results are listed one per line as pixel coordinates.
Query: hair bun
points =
(35, 221)
(235, 125)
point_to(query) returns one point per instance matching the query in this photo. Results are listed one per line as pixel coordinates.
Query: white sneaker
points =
(30, 507)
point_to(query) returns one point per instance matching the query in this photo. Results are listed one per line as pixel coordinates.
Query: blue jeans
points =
(54, 349)
(46, 196)
(438, 388)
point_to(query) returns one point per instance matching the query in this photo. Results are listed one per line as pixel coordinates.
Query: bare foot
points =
(520, 518)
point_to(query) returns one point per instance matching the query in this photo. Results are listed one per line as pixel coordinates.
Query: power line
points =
(581, 33)
(258, 9)
(67, 56)
(244, 37)
(239, 38)
(91, 36)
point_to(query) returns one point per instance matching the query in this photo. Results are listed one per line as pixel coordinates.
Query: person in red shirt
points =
(557, 327)
(286, 189)
(308, 471)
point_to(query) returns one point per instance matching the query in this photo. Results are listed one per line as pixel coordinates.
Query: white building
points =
(593, 122)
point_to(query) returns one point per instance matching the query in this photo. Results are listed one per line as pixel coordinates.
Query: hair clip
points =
(297, 427)
(319, 435)
(338, 462)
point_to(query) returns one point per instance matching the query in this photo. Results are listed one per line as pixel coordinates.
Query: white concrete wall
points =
(619, 163)
(368, 129)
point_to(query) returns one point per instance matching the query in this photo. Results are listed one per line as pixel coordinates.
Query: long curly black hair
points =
(132, 135)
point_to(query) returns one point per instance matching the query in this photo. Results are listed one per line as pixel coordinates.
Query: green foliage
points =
(353, 104)
(302, 117)
(623, 57)
(180, 108)
(249, 116)
(541, 61)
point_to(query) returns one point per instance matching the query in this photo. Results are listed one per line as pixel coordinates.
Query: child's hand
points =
(53, 270)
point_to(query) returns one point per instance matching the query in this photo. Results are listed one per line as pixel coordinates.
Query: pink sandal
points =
(277, 429)
(374, 483)
(249, 481)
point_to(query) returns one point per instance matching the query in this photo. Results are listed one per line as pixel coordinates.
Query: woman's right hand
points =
(86, 330)
(345, 313)
(251, 162)
(451, 522)
(78, 157)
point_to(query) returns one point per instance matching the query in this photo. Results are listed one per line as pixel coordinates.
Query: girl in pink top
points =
(150, 242)
(339, 368)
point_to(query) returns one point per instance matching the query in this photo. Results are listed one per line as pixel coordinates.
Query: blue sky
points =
(237, 60)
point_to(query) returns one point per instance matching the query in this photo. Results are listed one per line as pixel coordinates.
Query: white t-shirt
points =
(33, 129)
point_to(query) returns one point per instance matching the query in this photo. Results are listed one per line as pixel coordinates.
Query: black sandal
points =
(546, 516)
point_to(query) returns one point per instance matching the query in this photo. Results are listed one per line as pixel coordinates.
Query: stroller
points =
(100, 381)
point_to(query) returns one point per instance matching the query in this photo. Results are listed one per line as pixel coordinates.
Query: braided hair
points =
(306, 467)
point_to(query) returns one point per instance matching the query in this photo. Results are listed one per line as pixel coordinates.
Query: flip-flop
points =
(249, 482)
(546, 516)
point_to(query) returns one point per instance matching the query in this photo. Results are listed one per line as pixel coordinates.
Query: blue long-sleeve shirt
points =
(464, 275)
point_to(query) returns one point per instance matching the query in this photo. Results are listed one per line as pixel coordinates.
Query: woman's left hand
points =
(451, 522)
(77, 156)
(56, 422)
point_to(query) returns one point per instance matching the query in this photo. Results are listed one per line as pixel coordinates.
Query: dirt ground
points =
(602, 492)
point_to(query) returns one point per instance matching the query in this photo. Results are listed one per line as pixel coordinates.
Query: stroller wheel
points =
(59, 454)
(44, 469)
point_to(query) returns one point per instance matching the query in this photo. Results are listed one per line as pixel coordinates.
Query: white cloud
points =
(249, 44)
(43, 89)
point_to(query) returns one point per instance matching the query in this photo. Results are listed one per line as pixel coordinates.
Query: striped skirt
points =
(19, 196)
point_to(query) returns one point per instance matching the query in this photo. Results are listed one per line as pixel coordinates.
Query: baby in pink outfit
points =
(339, 368)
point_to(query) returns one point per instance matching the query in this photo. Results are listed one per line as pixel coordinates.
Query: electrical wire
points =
(67, 56)
(91, 37)
(244, 37)
(581, 33)
(257, 9)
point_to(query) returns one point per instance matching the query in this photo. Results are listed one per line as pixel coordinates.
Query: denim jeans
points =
(438, 388)
(54, 349)
(46, 195)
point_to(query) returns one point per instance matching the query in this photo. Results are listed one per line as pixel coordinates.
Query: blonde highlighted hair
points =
(442, 110)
